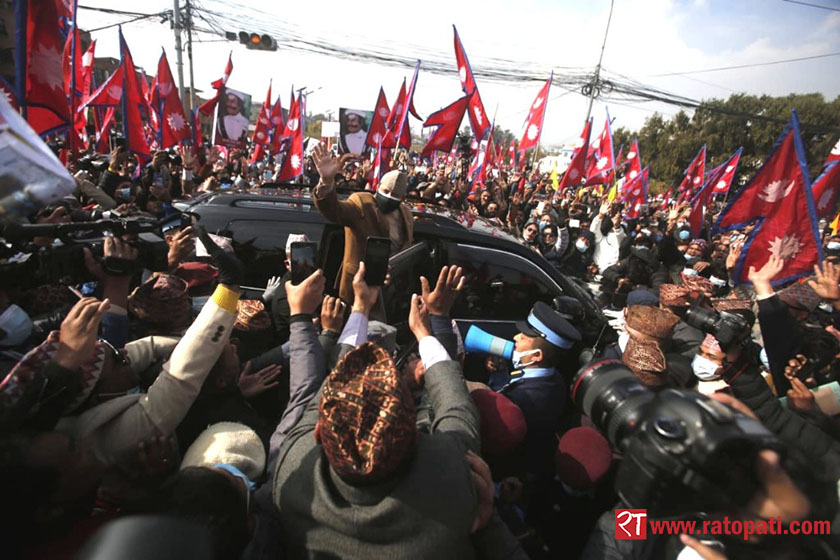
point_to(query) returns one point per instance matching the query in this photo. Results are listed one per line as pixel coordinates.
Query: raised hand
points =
(801, 398)
(332, 314)
(79, 331)
(252, 383)
(231, 269)
(180, 246)
(326, 164)
(826, 280)
(271, 288)
(450, 282)
(762, 278)
(418, 318)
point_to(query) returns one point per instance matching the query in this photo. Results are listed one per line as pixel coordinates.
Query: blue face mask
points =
(685, 234)
(237, 473)
(544, 225)
(658, 237)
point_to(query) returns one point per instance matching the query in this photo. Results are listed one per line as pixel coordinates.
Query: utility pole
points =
(179, 61)
(190, 55)
(593, 87)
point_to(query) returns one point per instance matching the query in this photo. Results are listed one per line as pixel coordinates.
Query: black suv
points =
(503, 277)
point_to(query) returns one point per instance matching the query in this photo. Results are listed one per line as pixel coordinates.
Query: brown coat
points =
(361, 219)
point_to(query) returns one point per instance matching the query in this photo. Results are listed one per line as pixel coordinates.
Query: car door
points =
(500, 288)
(407, 266)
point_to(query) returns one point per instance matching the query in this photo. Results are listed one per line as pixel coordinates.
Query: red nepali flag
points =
(196, 130)
(379, 123)
(209, 106)
(636, 195)
(78, 74)
(396, 115)
(825, 190)
(262, 128)
(729, 167)
(634, 161)
(44, 99)
(277, 125)
(447, 121)
(693, 177)
(512, 153)
(103, 135)
(667, 199)
(602, 164)
(575, 174)
(293, 162)
(173, 126)
(533, 124)
(779, 198)
(109, 94)
(834, 155)
(403, 131)
(700, 201)
(490, 160)
(478, 116)
(133, 100)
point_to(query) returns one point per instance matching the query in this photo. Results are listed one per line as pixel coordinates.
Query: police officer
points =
(544, 343)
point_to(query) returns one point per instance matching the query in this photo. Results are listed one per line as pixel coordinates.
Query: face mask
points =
(658, 237)
(622, 341)
(719, 282)
(544, 225)
(237, 473)
(646, 232)
(518, 357)
(704, 368)
(762, 357)
(685, 234)
(689, 272)
(17, 325)
(123, 194)
(581, 246)
(386, 204)
(826, 307)
(833, 246)
(642, 248)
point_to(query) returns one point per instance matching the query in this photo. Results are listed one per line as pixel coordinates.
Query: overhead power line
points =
(812, 5)
(747, 65)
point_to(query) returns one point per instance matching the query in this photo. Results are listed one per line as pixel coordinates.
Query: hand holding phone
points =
(303, 260)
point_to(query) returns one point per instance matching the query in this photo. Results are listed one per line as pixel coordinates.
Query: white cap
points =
(230, 443)
(295, 238)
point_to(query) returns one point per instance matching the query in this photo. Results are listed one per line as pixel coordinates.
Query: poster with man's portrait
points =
(353, 130)
(232, 119)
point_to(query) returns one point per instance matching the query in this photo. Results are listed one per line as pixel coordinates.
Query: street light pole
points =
(189, 24)
(179, 61)
(594, 85)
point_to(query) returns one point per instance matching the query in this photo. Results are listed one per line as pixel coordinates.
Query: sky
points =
(647, 38)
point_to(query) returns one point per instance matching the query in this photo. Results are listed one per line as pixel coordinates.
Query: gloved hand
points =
(270, 289)
(231, 269)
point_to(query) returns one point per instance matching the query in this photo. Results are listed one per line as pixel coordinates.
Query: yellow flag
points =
(613, 193)
(555, 182)
(835, 224)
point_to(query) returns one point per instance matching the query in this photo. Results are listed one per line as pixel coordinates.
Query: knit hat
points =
(15, 387)
(800, 296)
(251, 316)
(732, 304)
(698, 284)
(367, 417)
(583, 458)
(295, 238)
(651, 321)
(674, 295)
(397, 181)
(230, 443)
(503, 425)
(162, 301)
(646, 360)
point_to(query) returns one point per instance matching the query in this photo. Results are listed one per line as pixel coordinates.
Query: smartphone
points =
(377, 251)
(303, 260)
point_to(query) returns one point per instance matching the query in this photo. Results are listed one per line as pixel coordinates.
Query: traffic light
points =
(253, 41)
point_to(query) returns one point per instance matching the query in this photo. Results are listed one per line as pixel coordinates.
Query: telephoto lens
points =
(683, 453)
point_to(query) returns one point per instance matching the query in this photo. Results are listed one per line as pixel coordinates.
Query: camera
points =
(683, 452)
(728, 328)
(24, 264)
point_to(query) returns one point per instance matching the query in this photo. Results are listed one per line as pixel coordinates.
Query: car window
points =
(407, 267)
(261, 245)
(499, 285)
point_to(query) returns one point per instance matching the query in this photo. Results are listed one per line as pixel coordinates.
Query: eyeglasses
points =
(119, 357)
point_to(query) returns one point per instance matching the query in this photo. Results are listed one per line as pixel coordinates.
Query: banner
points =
(232, 119)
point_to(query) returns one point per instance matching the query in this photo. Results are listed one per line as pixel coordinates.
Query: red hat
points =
(503, 425)
(196, 274)
(583, 457)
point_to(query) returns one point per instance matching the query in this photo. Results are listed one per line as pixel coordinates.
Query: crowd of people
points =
(292, 425)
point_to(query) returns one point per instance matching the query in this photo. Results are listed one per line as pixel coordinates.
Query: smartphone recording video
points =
(377, 251)
(303, 261)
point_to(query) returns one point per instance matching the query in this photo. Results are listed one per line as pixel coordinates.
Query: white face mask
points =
(689, 272)
(622, 341)
(518, 356)
(833, 245)
(581, 246)
(17, 325)
(704, 368)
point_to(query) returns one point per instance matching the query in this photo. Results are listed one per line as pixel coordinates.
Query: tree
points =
(754, 122)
